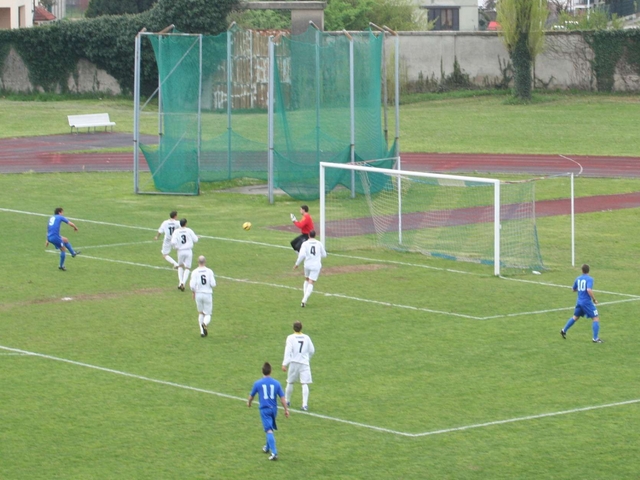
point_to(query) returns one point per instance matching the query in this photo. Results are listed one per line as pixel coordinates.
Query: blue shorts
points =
(56, 242)
(268, 417)
(588, 310)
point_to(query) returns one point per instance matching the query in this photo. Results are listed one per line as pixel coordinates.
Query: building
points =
(41, 16)
(16, 14)
(453, 15)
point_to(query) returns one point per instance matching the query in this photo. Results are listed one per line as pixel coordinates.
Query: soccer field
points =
(424, 368)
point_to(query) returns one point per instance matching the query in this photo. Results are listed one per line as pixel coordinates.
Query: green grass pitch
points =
(424, 368)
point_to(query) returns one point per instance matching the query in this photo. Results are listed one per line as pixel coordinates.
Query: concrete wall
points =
(564, 63)
(14, 77)
(481, 55)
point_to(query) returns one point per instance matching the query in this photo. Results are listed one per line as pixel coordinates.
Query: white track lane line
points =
(326, 417)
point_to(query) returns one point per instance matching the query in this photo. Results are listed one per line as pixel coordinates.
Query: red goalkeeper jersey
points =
(305, 224)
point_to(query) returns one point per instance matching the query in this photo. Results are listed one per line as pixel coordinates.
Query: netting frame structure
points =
(269, 164)
(137, 109)
(352, 107)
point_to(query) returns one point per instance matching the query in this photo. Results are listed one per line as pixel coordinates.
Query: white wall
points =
(15, 16)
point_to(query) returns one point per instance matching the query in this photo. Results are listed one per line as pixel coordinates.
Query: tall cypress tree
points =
(522, 23)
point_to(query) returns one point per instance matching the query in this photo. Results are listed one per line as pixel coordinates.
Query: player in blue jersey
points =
(54, 238)
(585, 305)
(268, 389)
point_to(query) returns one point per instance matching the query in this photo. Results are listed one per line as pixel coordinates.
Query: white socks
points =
(305, 393)
(171, 260)
(288, 392)
(180, 272)
(184, 277)
(200, 322)
(207, 319)
(307, 292)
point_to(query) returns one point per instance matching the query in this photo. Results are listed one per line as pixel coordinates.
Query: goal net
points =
(469, 219)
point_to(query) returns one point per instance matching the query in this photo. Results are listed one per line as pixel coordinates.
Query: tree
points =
(522, 23)
(48, 4)
(98, 8)
(195, 16)
(261, 19)
(356, 15)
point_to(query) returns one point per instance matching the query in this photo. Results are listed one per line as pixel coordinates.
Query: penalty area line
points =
(18, 351)
(287, 287)
(354, 257)
(317, 415)
(529, 417)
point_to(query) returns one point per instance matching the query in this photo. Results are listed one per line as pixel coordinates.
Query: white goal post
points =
(481, 220)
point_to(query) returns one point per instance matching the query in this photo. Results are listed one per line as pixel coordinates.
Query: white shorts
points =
(166, 247)
(312, 274)
(185, 257)
(204, 302)
(299, 372)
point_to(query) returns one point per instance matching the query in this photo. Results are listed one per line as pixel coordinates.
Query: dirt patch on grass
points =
(84, 297)
(352, 269)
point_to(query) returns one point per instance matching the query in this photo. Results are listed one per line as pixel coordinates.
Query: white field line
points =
(538, 312)
(276, 285)
(358, 299)
(316, 415)
(338, 255)
(187, 387)
(565, 286)
(85, 247)
(530, 417)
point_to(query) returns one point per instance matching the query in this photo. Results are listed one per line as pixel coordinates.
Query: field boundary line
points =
(522, 280)
(250, 242)
(187, 387)
(529, 417)
(358, 299)
(297, 289)
(538, 312)
(324, 417)
(85, 247)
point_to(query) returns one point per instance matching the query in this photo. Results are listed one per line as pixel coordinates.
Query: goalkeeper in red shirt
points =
(305, 225)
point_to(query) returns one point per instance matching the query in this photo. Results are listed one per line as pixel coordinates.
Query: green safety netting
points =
(204, 138)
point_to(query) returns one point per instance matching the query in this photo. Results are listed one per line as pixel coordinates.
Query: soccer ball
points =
(246, 225)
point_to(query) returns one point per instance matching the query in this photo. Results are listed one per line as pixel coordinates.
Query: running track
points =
(53, 153)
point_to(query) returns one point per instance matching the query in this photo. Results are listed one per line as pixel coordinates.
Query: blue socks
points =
(569, 324)
(596, 329)
(70, 248)
(62, 257)
(271, 443)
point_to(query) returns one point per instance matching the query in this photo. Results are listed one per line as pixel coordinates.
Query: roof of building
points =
(41, 14)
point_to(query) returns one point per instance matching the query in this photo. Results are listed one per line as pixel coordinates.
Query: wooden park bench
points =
(89, 121)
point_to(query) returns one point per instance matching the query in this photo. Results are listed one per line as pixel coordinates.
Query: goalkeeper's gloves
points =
(293, 218)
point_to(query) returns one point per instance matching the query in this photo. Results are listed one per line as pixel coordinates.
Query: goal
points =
(471, 219)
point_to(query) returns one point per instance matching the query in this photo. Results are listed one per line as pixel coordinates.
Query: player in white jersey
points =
(312, 252)
(182, 240)
(297, 353)
(168, 227)
(201, 284)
